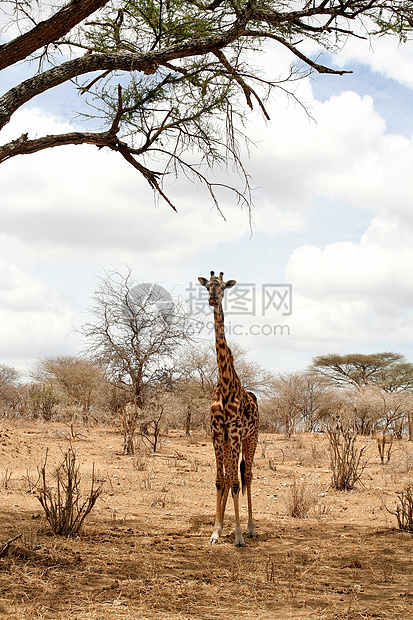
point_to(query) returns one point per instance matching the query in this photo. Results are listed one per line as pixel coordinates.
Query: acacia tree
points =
(167, 79)
(380, 388)
(389, 371)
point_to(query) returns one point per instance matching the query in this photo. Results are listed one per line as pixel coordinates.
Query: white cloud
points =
(33, 319)
(359, 293)
(303, 158)
(79, 206)
(95, 203)
(383, 55)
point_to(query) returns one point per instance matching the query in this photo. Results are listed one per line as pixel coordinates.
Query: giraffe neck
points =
(227, 376)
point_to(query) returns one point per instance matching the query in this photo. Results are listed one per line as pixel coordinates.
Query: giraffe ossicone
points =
(234, 421)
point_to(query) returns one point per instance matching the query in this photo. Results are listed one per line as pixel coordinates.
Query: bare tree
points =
(297, 398)
(135, 332)
(197, 371)
(80, 379)
(167, 81)
(388, 419)
(9, 377)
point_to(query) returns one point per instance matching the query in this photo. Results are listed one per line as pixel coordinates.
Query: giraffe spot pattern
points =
(234, 417)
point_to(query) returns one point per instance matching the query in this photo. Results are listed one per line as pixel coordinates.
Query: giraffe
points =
(234, 422)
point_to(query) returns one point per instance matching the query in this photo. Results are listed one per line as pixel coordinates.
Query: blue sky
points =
(332, 217)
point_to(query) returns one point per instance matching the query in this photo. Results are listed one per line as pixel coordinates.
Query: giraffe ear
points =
(230, 283)
(203, 281)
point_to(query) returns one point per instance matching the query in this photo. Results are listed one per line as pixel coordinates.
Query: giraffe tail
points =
(242, 471)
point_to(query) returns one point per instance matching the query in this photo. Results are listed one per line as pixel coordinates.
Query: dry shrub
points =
(346, 460)
(5, 479)
(300, 498)
(404, 510)
(64, 506)
(140, 462)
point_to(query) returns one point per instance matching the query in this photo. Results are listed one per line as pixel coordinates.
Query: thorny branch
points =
(170, 73)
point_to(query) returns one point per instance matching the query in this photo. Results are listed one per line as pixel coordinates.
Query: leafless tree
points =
(9, 377)
(197, 371)
(299, 398)
(134, 336)
(80, 379)
(390, 411)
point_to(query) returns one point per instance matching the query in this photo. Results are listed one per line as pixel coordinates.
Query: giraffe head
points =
(216, 287)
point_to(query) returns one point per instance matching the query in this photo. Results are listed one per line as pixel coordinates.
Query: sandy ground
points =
(144, 550)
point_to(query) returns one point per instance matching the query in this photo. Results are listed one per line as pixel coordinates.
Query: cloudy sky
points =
(328, 266)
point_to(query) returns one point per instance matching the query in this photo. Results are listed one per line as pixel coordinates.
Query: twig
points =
(5, 548)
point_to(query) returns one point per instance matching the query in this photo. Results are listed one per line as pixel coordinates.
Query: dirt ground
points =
(144, 551)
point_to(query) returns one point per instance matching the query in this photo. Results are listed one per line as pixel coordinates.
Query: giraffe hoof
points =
(240, 544)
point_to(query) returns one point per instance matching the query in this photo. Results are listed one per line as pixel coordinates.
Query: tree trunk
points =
(188, 422)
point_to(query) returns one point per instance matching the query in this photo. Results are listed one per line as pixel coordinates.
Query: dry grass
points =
(301, 498)
(144, 551)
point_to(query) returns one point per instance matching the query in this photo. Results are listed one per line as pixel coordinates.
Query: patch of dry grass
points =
(145, 552)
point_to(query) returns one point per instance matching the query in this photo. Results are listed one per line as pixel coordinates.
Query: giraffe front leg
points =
(228, 478)
(224, 499)
(216, 532)
(220, 488)
(232, 457)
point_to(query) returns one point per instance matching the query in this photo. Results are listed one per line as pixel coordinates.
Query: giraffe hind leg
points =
(227, 470)
(231, 458)
(249, 447)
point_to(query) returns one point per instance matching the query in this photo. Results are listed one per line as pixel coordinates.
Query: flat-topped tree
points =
(389, 371)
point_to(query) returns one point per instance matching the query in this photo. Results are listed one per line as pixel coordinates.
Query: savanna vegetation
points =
(107, 472)
(142, 370)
